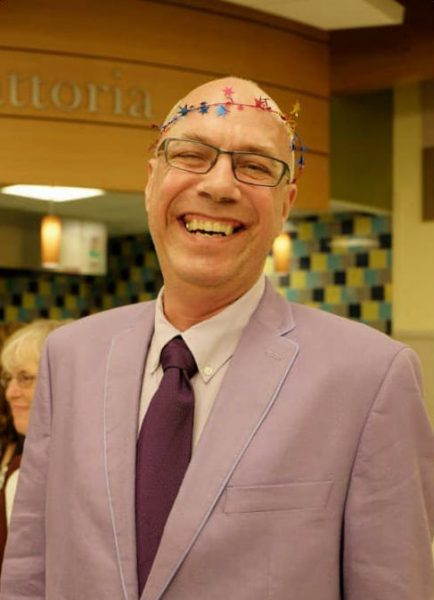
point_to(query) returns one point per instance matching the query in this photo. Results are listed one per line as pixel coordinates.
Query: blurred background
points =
(83, 84)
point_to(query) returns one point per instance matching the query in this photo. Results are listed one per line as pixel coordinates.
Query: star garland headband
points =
(225, 107)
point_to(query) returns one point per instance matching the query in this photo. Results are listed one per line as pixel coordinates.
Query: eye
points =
(255, 166)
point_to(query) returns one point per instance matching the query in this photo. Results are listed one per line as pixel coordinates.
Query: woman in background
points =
(19, 361)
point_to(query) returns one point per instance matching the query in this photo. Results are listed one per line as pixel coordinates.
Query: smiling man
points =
(221, 443)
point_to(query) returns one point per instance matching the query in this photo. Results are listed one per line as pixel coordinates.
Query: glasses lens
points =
(257, 169)
(24, 380)
(189, 155)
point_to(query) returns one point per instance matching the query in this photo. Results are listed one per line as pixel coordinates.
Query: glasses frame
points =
(24, 380)
(162, 149)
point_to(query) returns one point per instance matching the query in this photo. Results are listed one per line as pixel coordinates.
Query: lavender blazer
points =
(313, 478)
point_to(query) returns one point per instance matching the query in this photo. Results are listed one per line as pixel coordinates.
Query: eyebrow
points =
(256, 149)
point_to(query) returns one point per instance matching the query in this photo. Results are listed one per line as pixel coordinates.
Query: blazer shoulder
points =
(342, 332)
(104, 324)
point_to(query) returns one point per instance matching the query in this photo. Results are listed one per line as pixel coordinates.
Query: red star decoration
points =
(228, 92)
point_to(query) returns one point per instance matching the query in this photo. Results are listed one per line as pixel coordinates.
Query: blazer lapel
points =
(258, 368)
(122, 395)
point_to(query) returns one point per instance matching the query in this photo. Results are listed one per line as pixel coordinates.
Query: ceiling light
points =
(52, 193)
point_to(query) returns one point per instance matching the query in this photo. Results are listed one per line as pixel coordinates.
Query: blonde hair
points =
(26, 343)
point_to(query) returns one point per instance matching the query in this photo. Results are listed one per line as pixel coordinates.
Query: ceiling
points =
(332, 14)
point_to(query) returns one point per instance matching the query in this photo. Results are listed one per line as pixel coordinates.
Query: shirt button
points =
(208, 370)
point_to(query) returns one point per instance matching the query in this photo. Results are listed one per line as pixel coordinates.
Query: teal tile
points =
(385, 310)
(381, 224)
(370, 276)
(334, 261)
(320, 229)
(292, 295)
(312, 279)
(300, 248)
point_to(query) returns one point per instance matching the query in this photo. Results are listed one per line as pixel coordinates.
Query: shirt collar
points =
(213, 341)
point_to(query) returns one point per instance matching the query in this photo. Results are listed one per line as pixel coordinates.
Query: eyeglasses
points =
(248, 167)
(23, 379)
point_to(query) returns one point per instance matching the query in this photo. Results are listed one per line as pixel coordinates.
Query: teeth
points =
(209, 227)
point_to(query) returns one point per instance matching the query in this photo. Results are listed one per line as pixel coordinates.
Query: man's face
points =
(177, 199)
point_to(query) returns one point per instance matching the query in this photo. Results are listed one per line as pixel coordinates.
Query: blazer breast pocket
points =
(285, 496)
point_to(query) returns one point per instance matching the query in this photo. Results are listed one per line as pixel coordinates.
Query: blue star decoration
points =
(183, 110)
(203, 108)
(221, 110)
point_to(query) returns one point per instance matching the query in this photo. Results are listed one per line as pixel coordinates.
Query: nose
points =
(219, 184)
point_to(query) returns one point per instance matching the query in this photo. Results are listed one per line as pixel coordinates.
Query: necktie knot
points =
(177, 354)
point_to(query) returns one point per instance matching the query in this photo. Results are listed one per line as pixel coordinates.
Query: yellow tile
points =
(83, 288)
(313, 304)
(333, 294)
(370, 310)
(107, 302)
(55, 312)
(362, 226)
(135, 274)
(305, 231)
(298, 279)
(144, 296)
(70, 302)
(318, 262)
(11, 314)
(121, 288)
(378, 259)
(354, 277)
(388, 292)
(44, 288)
(28, 300)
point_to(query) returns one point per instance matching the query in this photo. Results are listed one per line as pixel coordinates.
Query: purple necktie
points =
(163, 451)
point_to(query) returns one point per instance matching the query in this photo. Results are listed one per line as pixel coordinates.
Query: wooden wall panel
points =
(165, 49)
(106, 156)
(171, 35)
(164, 86)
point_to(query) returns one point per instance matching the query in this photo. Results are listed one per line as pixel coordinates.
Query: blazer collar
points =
(123, 384)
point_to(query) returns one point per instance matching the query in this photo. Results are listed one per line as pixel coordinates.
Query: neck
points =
(185, 306)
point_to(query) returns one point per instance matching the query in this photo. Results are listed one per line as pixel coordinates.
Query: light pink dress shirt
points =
(212, 343)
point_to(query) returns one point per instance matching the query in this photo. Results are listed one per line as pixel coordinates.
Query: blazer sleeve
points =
(389, 514)
(23, 572)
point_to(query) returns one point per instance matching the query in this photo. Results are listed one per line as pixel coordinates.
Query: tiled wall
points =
(349, 280)
(353, 282)
(133, 276)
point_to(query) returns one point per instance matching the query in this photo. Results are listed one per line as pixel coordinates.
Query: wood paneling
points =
(132, 47)
(171, 35)
(106, 156)
(383, 57)
(126, 84)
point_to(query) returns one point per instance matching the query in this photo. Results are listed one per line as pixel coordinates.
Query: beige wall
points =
(413, 268)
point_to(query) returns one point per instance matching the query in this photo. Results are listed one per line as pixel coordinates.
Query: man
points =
(311, 475)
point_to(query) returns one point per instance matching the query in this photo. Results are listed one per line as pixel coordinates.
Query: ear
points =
(148, 187)
(288, 203)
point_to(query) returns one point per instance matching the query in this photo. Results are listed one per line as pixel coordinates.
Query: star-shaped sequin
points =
(221, 110)
(228, 92)
(203, 108)
(183, 110)
(262, 103)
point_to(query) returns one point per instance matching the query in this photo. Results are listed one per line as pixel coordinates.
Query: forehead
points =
(229, 116)
(245, 130)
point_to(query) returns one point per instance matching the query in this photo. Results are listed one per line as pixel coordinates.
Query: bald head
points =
(229, 98)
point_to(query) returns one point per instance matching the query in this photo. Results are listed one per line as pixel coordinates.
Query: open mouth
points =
(208, 228)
